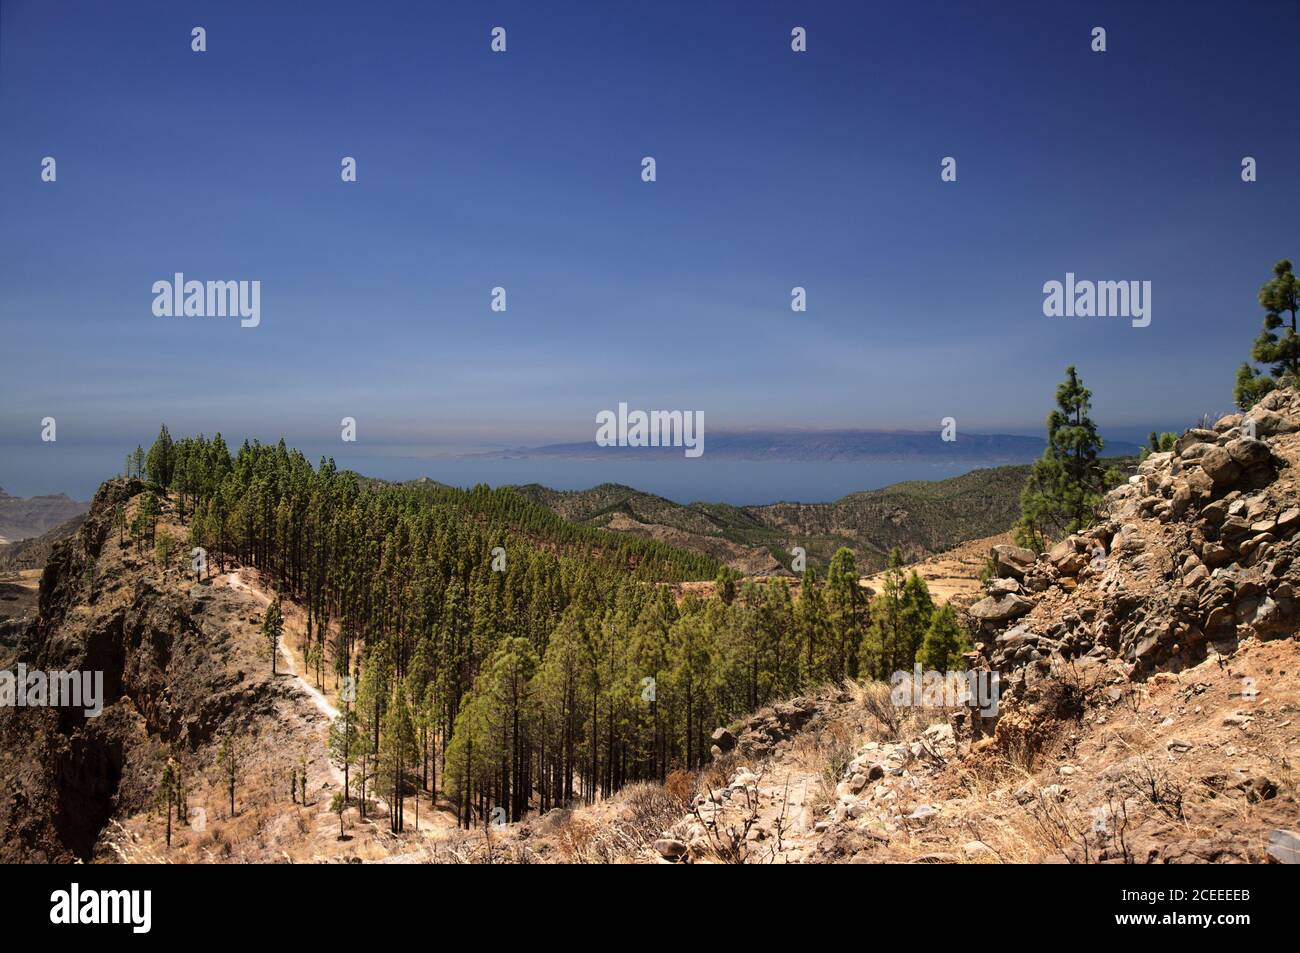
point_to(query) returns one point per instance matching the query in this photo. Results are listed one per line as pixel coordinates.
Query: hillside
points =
(1123, 730)
(1149, 709)
(920, 517)
(35, 551)
(24, 518)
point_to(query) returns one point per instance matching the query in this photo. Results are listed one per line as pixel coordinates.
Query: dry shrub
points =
(648, 808)
(616, 832)
(892, 722)
(1145, 778)
(681, 786)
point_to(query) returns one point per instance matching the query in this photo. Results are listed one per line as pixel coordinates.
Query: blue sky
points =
(522, 169)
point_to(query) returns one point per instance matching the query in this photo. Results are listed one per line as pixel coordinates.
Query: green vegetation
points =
(1068, 482)
(273, 629)
(170, 795)
(918, 516)
(568, 674)
(1280, 298)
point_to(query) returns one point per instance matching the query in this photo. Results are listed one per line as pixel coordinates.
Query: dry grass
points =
(618, 830)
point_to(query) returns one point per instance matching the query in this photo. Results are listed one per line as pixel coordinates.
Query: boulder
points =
(723, 739)
(1289, 520)
(1066, 558)
(1268, 423)
(1219, 466)
(1193, 437)
(670, 848)
(1224, 424)
(1248, 453)
(1012, 561)
(994, 610)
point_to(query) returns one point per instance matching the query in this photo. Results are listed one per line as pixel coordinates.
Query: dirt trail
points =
(238, 581)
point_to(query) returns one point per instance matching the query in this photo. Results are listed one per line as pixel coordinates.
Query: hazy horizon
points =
(774, 170)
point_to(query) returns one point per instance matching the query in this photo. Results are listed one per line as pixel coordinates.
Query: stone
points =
(1014, 638)
(670, 848)
(1216, 554)
(1004, 609)
(1284, 847)
(1229, 422)
(1011, 561)
(723, 739)
(1066, 558)
(1192, 438)
(1270, 424)
(1248, 453)
(1219, 467)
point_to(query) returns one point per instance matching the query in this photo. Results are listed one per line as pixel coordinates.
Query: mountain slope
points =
(24, 518)
(920, 517)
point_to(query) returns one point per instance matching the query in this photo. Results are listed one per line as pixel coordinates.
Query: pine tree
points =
(344, 747)
(846, 604)
(273, 629)
(161, 460)
(338, 805)
(396, 753)
(1279, 297)
(1250, 387)
(945, 642)
(228, 763)
(171, 794)
(1066, 483)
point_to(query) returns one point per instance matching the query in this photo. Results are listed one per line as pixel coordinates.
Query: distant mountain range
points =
(824, 445)
(30, 517)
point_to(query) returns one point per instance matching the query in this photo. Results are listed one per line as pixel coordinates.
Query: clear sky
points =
(522, 170)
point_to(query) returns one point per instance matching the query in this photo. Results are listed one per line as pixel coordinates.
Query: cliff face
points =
(165, 655)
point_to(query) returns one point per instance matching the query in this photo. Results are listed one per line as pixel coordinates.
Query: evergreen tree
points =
(160, 461)
(1250, 387)
(228, 764)
(338, 805)
(846, 603)
(945, 642)
(1067, 483)
(171, 794)
(396, 754)
(1280, 299)
(273, 629)
(344, 747)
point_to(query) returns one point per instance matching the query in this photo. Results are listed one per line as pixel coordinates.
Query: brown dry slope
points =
(185, 666)
(1151, 694)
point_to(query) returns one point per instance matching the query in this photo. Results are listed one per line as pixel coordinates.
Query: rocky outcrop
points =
(1197, 551)
(170, 679)
(770, 730)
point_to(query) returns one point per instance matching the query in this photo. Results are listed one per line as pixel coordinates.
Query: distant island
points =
(822, 446)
